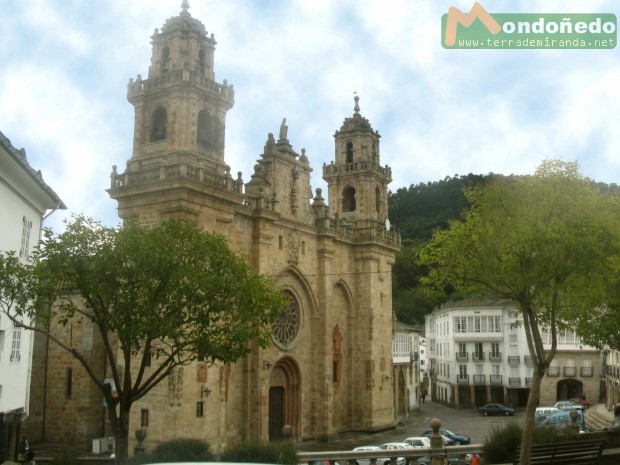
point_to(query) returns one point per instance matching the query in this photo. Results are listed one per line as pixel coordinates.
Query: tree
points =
(171, 293)
(540, 241)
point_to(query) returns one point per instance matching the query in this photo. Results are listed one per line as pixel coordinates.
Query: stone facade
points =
(65, 405)
(329, 369)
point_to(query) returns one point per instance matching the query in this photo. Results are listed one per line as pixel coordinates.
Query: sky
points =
(65, 65)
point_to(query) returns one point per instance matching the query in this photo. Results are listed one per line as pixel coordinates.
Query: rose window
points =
(285, 328)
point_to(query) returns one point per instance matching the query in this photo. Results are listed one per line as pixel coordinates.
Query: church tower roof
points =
(184, 22)
(357, 121)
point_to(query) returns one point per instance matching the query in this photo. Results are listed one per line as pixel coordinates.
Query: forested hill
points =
(420, 209)
(417, 212)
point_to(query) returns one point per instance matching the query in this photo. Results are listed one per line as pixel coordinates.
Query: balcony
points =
(527, 359)
(514, 359)
(480, 379)
(496, 379)
(462, 356)
(529, 381)
(553, 371)
(514, 382)
(462, 379)
(570, 371)
(495, 357)
(586, 372)
(477, 356)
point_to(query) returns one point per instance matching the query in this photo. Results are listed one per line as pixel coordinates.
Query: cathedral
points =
(329, 367)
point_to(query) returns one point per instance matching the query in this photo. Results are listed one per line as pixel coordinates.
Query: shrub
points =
(257, 452)
(179, 450)
(503, 441)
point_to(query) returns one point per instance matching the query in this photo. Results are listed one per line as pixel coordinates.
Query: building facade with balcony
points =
(406, 368)
(478, 354)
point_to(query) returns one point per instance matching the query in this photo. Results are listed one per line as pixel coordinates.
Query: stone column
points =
(436, 442)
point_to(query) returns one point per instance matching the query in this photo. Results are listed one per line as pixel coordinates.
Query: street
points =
(465, 422)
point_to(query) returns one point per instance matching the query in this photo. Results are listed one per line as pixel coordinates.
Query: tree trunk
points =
(120, 426)
(529, 423)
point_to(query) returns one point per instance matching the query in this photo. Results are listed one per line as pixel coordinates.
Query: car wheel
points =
(486, 414)
(507, 413)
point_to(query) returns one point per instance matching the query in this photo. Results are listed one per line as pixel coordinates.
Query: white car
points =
(381, 460)
(419, 442)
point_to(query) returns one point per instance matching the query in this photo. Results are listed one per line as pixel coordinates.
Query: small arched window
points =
(159, 121)
(165, 60)
(348, 199)
(349, 152)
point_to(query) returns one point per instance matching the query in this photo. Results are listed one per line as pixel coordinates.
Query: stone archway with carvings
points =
(284, 398)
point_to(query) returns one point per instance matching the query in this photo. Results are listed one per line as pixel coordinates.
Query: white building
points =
(25, 201)
(406, 369)
(478, 354)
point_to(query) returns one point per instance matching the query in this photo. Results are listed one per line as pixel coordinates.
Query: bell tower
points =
(356, 181)
(180, 108)
(177, 164)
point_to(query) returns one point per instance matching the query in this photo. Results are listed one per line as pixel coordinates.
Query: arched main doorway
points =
(569, 388)
(284, 398)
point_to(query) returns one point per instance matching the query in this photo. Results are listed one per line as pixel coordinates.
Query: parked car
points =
(542, 413)
(567, 405)
(457, 438)
(453, 459)
(496, 409)
(382, 460)
(580, 401)
(419, 442)
(562, 419)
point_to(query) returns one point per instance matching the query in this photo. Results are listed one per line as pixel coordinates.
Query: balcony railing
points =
(514, 359)
(480, 379)
(527, 359)
(553, 371)
(478, 356)
(514, 381)
(496, 379)
(529, 381)
(495, 356)
(462, 356)
(462, 379)
(570, 371)
(586, 372)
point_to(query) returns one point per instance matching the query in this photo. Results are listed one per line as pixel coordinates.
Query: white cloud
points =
(440, 112)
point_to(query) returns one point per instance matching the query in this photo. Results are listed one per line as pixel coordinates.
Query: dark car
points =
(496, 409)
(461, 440)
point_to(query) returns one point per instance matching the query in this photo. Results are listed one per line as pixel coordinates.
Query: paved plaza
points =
(464, 421)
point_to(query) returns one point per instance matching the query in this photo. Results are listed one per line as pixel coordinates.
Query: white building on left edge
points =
(25, 201)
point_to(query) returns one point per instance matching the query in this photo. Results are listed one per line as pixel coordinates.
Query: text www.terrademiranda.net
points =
(536, 43)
